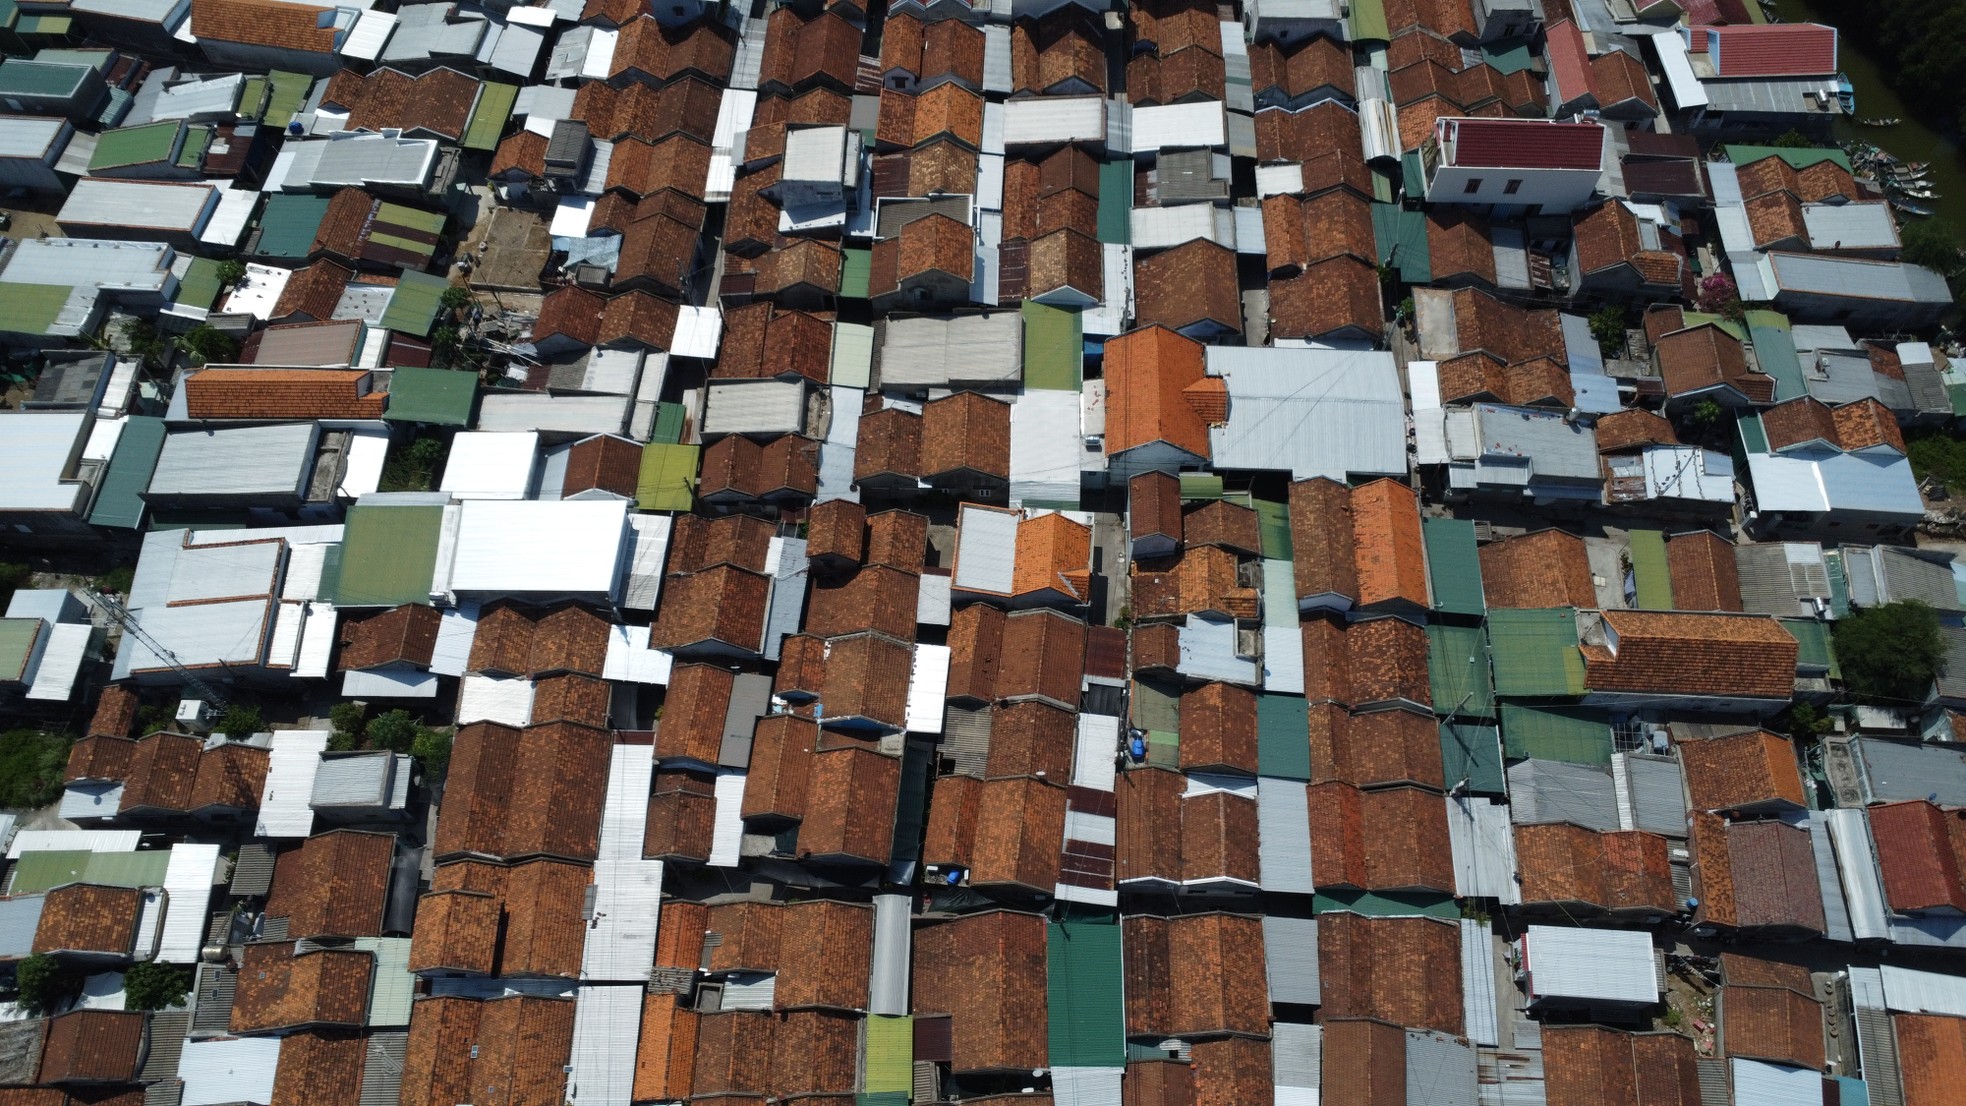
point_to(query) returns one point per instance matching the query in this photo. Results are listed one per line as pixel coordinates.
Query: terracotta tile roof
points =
(1633, 427)
(1064, 45)
(781, 764)
(687, 106)
(1920, 849)
(1513, 334)
(544, 927)
(1195, 975)
(333, 885)
(163, 768)
(1202, 580)
(1323, 130)
(283, 394)
(699, 543)
(1388, 661)
(1300, 232)
(947, 110)
(1191, 74)
(1148, 844)
(646, 47)
(815, 1052)
(1548, 568)
(1019, 823)
(751, 218)
(1771, 878)
(1606, 236)
(1694, 654)
(988, 976)
(1066, 258)
(850, 803)
(571, 311)
(637, 318)
(1105, 652)
(1154, 506)
(733, 1053)
(521, 153)
(723, 604)
(1773, 1024)
(1031, 739)
(873, 598)
(1472, 377)
(1459, 245)
(503, 642)
(1390, 839)
(313, 290)
(1824, 182)
(100, 757)
(1374, 748)
(1865, 423)
(657, 252)
(1147, 372)
(1156, 646)
(1218, 722)
(799, 54)
(1159, 1083)
(456, 930)
(945, 48)
(1745, 771)
(1775, 220)
(1053, 553)
(836, 532)
(1931, 1055)
(1318, 63)
(763, 340)
(1321, 539)
(736, 466)
(1704, 574)
(569, 639)
(1218, 839)
(1706, 356)
(1391, 559)
(472, 816)
(693, 713)
(867, 677)
(93, 1046)
(559, 814)
(437, 103)
(805, 268)
(1232, 1070)
(666, 1051)
(230, 775)
(1335, 295)
(976, 640)
(405, 634)
(950, 837)
(1621, 78)
(320, 1067)
(801, 667)
(264, 23)
(282, 989)
(1043, 657)
(681, 815)
(1403, 970)
(1374, 1073)
(1177, 26)
(898, 539)
(116, 712)
(1191, 284)
(967, 431)
(1327, 659)
(889, 443)
(511, 1050)
(1592, 1064)
(603, 462)
(1565, 863)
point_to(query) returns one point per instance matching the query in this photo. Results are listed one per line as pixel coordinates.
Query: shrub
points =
(1608, 327)
(44, 985)
(1890, 653)
(154, 986)
(347, 719)
(433, 748)
(231, 273)
(241, 721)
(394, 730)
(32, 764)
(206, 343)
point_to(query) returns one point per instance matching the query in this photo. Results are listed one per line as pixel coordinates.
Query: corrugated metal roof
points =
(285, 809)
(1440, 1070)
(1553, 791)
(1657, 793)
(188, 882)
(1454, 566)
(1484, 848)
(887, 1063)
(887, 987)
(1290, 953)
(1479, 1012)
(1283, 836)
(1550, 733)
(607, 1023)
(1593, 965)
(382, 1069)
(19, 917)
(1898, 770)
(1648, 560)
(928, 352)
(986, 550)
(754, 407)
(1473, 753)
(1457, 668)
(1310, 412)
(1087, 1016)
(230, 1069)
(1762, 1084)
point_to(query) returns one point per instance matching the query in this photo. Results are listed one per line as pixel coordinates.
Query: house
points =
(1060, 53)
(1613, 253)
(990, 986)
(1296, 73)
(1158, 403)
(1756, 79)
(1190, 289)
(1513, 164)
(1403, 970)
(1680, 657)
(1756, 877)
(1543, 568)
(1812, 468)
(930, 263)
(270, 34)
(1572, 869)
(1593, 1063)
(1706, 362)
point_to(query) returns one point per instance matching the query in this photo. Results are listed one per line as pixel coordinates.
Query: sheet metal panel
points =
(1290, 958)
(1484, 848)
(1440, 1070)
(1836, 913)
(188, 882)
(1284, 836)
(1856, 864)
(928, 684)
(887, 988)
(285, 809)
(607, 1024)
(1478, 1009)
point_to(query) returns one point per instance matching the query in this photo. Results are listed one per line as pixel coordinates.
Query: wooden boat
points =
(1879, 122)
(1918, 193)
(1908, 208)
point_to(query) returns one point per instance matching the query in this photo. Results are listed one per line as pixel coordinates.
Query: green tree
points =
(347, 719)
(1937, 453)
(32, 764)
(456, 298)
(240, 721)
(140, 337)
(44, 985)
(1890, 653)
(433, 748)
(154, 986)
(394, 730)
(155, 717)
(1802, 722)
(1793, 140)
(231, 273)
(412, 467)
(1707, 414)
(206, 344)
(117, 580)
(1608, 327)
(1931, 243)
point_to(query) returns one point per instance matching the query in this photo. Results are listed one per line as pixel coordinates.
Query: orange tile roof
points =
(1403, 970)
(1192, 283)
(1742, 771)
(282, 989)
(1705, 576)
(1053, 553)
(1562, 862)
(1391, 558)
(1705, 356)
(1147, 372)
(1867, 423)
(1921, 849)
(1386, 839)
(282, 394)
(1731, 656)
(265, 23)
(1548, 568)
(1931, 1056)
(88, 918)
(1633, 427)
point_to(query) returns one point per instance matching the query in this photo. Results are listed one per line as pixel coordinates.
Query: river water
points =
(1910, 140)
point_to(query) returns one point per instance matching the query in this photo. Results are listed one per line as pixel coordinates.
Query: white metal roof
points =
(183, 208)
(1478, 1003)
(1608, 965)
(284, 807)
(29, 136)
(236, 460)
(1283, 843)
(78, 840)
(986, 549)
(1180, 126)
(727, 832)
(607, 1023)
(1757, 1083)
(1310, 412)
(1484, 848)
(932, 351)
(1048, 120)
(1850, 226)
(1911, 991)
(492, 465)
(754, 407)
(188, 879)
(90, 800)
(228, 1069)
(1047, 451)
(35, 447)
(1820, 480)
(632, 661)
(1854, 278)
(559, 547)
(491, 699)
(928, 683)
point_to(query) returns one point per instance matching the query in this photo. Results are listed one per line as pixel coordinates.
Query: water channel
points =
(1910, 140)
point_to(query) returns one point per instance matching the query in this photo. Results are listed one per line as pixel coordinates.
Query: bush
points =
(1934, 453)
(32, 764)
(44, 985)
(1930, 243)
(1608, 327)
(394, 730)
(347, 719)
(231, 273)
(456, 298)
(206, 343)
(241, 721)
(433, 748)
(412, 467)
(1890, 654)
(12, 578)
(154, 986)
(117, 581)
(157, 716)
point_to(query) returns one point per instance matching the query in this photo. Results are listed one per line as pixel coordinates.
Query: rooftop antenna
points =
(121, 615)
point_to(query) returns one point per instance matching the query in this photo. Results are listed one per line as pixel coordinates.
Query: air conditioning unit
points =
(194, 716)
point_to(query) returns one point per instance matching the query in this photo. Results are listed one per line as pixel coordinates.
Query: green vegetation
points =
(206, 343)
(241, 721)
(44, 985)
(117, 580)
(32, 764)
(412, 467)
(1937, 454)
(1925, 44)
(231, 272)
(1890, 654)
(433, 748)
(143, 341)
(1608, 327)
(154, 986)
(1793, 140)
(1931, 243)
(1804, 723)
(394, 730)
(347, 721)
(156, 717)
(456, 298)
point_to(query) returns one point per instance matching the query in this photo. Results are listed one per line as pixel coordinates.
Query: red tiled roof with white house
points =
(1521, 143)
(1772, 50)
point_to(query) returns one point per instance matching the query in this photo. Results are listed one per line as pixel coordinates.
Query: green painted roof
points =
(1654, 579)
(1369, 21)
(1272, 528)
(197, 140)
(1457, 668)
(668, 480)
(1474, 753)
(31, 308)
(413, 309)
(489, 116)
(441, 397)
(1201, 485)
(1087, 1017)
(1754, 438)
(1797, 158)
(1402, 238)
(1054, 347)
(1818, 648)
(1509, 56)
(1157, 706)
(288, 93)
(1386, 904)
(20, 77)
(288, 224)
(1728, 326)
(44, 871)
(199, 285)
(412, 218)
(16, 644)
(1283, 745)
(1839, 583)
(387, 556)
(856, 268)
(670, 418)
(251, 93)
(889, 1057)
(1534, 652)
(1552, 733)
(1116, 202)
(1774, 349)
(1413, 180)
(119, 496)
(45, 25)
(143, 145)
(1453, 565)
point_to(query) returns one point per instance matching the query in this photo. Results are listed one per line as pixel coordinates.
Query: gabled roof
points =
(989, 978)
(646, 46)
(889, 443)
(1323, 560)
(1705, 575)
(1194, 975)
(799, 54)
(1733, 656)
(93, 1046)
(1771, 50)
(1931, 1055)
(333, 885)
(1548, 568)
(1633, 427)
(282, 988)
(1219, 722)
(1299, 232)
(1373, 749)
(1919, 853)
(1590, 1063)
(1302, 68)
(1562, 862)
(1063, 45)
(1147, 372)
(89, 919)
(1754, 770)
(238, 393)
(265, 23)
(1191, 284)
(1805, 420)
(1387, 839)
(850, 805)
(1524, 144)
(1705, 356)
(1043, 657)
(966, 431)
(874, 598)
(943, 48)
(438, 102)
(1403, 970)
(518, 1043)
(1053, 553)
(1391, 558)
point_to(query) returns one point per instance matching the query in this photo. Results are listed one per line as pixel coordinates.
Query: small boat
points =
(1906, 207)
(1879, 122)
(1918, 193)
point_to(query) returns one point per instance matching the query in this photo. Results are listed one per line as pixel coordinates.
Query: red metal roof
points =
(1773, 50)
(1526, 144)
